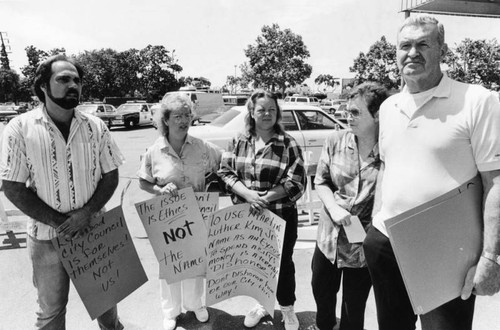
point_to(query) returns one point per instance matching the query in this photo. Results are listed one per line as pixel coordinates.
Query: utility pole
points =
(4, 59)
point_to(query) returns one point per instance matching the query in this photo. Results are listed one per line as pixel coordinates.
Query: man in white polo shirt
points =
(60, 167)
(434, 135)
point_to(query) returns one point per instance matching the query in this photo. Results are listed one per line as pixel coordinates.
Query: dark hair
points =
(250, 121)
(372, 92)
(44, 72)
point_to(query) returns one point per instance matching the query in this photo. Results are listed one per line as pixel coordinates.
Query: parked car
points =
(309, 126)
(330, 105)
(104, 111)
(306, 100)
(133, 113)
(7, 112)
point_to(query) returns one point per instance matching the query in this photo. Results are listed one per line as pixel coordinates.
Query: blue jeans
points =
(52, 284)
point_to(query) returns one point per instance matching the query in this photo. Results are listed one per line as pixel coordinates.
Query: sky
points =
(209, 36)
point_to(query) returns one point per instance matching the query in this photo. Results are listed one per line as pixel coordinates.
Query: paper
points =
(355, 231)
(244, 255)
(177, 233)
(436, 243)
(102, 264)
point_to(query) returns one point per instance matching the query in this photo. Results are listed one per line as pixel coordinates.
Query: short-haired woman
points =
(345, 183)
(177, 160)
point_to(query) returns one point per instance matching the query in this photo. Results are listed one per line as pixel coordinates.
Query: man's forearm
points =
(103, 193)
(31, 205)
(491, 214)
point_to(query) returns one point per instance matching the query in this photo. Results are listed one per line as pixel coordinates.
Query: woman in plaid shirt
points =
(266, 170)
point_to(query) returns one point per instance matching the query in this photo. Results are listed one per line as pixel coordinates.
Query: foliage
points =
(197, 82)
(277, 59)
(4, 58)
(475, 62)
(99, 79)
(379, 64)
(35, 57)
(9, 85)
(326, 79)
(156, 75)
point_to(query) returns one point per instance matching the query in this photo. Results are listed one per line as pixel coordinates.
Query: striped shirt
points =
(63, 174)
(280, 162)
(353, 187)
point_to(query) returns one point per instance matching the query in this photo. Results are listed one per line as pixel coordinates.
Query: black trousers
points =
(285, 293)
(356, 284)
(394, 311)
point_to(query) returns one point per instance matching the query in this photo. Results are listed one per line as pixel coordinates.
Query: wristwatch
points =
(491, 256)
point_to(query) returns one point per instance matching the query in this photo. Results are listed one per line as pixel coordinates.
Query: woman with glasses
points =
(345, 183)
(177, 160)
(266, 170)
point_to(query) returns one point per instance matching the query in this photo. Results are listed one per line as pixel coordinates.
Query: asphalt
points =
(141, 309)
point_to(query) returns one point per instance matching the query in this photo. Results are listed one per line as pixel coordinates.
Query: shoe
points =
(169, 324)
(254, 316)
(289, 318)
(201, 314)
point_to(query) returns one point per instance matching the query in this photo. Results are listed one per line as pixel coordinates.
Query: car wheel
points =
(129, 123)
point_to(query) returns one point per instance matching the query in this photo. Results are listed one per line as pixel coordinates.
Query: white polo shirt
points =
(436, 146)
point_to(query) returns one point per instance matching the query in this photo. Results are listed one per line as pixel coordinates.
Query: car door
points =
(315, 126)
(289, 122)
(144, 115)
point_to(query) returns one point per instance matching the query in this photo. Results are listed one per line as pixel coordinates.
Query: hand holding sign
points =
(177, 234)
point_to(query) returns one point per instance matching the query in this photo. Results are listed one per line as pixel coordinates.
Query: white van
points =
(204, 103)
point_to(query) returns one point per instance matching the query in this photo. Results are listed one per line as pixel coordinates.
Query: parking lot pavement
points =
(141, 310)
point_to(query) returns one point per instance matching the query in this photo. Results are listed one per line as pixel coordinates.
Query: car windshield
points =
(126, 107)
(225, 118)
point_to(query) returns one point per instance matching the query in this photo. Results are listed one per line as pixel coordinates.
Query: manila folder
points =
(436, 243)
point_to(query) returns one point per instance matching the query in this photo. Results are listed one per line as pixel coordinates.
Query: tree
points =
(35, 57)
(9, 84)
(327, 79)
(100, 76)
(475, 62)
(233, 82)
(277, 59)
(157, 72)
(379, 65)
(127, 72)
(4, 59)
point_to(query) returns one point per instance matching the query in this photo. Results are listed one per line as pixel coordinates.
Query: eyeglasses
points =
(183, 117)
(353, 113)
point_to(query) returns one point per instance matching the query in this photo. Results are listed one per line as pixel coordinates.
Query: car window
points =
(109, 108)
(312, 120)
(288, 121)
(301, 99)
(100, 109)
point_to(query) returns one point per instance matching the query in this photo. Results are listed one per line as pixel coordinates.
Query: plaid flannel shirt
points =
(280, 162)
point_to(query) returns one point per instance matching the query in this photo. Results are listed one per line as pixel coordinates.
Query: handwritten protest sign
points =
(244, 254)
(103, 264)
(177, 234)
(208, 202)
